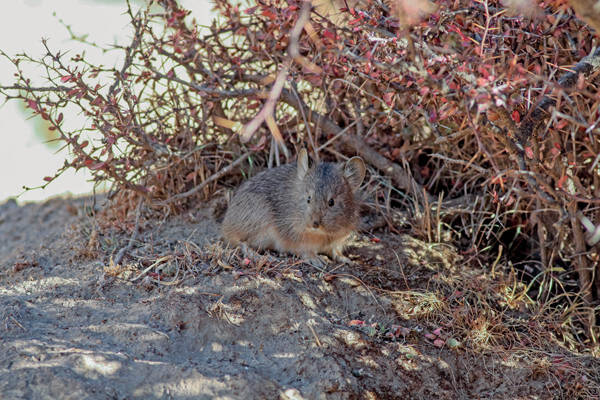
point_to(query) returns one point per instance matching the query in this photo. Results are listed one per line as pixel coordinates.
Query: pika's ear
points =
(302, 163)
(354, 171)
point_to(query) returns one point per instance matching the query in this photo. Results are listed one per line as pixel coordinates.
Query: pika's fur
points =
(297, 208)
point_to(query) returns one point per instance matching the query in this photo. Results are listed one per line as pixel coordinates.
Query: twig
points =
(154, 264)
(129, 50)
(333, 139)
(212, 178)
(117, 260)
(312, 330)
(583, 270)
(206, 89)
(267, 112)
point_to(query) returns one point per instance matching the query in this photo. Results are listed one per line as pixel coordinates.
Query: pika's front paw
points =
(342, 259)
(252, 254)
(315, 261)
(336, 254)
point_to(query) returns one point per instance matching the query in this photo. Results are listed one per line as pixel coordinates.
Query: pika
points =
(296, 208)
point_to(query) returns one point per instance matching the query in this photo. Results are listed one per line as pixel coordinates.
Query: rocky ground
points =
(182, 317)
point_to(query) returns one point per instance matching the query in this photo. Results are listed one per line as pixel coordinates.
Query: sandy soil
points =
(73, 327)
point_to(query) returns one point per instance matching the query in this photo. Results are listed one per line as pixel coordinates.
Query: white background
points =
(24, 157)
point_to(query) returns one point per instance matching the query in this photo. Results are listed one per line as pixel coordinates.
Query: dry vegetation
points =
(481, 123)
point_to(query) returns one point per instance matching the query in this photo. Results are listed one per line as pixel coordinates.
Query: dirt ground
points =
(184, 318)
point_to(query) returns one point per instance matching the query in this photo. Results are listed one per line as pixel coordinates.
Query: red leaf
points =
(66, 78)
(516, 116)
(482, 81)
(389, 98)
(495, 196)
(97, 166)
(154, 275)
(260, 145)
(355, 322)
(269, 14)
(190, 176)
(329, 35)
(433, 116)
(48, 178)
(483, 72)
(32, 104)
(562, 123)
(529, 152)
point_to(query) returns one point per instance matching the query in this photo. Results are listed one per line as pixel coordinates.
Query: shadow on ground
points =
(73, 328)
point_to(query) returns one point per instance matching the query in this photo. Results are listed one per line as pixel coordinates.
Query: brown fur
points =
(272, 211)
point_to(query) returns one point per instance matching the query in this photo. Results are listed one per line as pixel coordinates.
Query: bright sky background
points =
(24, 158)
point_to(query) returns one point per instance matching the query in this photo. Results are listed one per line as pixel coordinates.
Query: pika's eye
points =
(331, 203)
(308, 199)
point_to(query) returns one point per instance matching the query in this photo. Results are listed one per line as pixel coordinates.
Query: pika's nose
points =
(316, 224)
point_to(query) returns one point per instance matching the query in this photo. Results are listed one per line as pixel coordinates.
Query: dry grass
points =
(422, 295)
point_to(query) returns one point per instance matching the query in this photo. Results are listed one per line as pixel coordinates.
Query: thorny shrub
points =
(486, 120)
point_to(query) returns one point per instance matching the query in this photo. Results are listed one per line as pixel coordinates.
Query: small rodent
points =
(297, 208)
